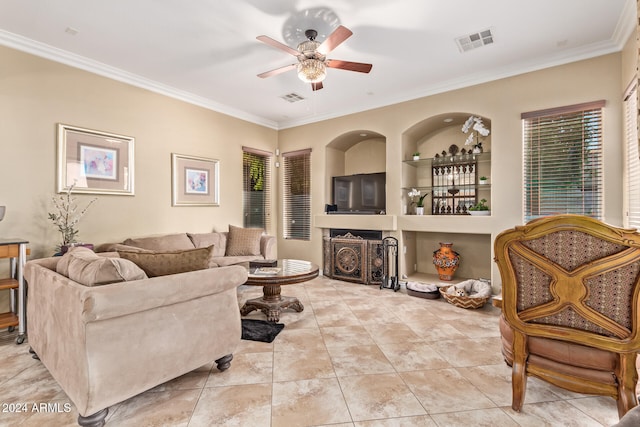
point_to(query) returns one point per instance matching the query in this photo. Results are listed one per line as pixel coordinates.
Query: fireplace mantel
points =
(357, 222)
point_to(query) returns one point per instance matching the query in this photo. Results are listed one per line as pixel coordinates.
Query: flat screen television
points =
(360, 194)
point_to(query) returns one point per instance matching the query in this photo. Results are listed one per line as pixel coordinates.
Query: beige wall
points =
(35, 94)
(629, 60)
(365, 157)
(501, 102)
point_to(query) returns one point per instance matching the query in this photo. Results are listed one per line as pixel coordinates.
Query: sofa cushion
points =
(84, 266)
(164, 243)
(243, 241)
(115, 247)
(203, 240)
(164, 263)
(563, 352)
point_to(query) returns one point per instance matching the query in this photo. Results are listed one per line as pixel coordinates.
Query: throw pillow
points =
(165, 263)
(243, 241)
(62, 267)
(84, 266)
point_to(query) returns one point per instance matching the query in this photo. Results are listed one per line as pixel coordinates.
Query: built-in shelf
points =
(442, 223)
(433, 279)
(357, 222)
(454, 182)
(478, 187)
(450, 160)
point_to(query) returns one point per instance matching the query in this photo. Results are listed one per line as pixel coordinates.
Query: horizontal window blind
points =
(632, 157)
(297, 195)
(563, 161)
(256, 175)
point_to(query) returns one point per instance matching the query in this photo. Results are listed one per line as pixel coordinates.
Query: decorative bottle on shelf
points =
(446, 261)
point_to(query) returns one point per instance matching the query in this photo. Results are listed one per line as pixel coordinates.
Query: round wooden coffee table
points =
(287, 272)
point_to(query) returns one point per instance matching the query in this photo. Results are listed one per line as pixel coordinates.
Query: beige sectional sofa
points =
(232, 247)
(106, 331)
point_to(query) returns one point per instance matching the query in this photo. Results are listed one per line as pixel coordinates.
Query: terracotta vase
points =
(446, 261)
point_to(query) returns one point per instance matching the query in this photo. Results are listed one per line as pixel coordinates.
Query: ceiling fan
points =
(312, 57)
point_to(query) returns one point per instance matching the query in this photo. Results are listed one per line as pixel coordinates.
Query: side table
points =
(16, 250)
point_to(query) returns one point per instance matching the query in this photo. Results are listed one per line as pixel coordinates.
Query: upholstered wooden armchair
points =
(570, 307)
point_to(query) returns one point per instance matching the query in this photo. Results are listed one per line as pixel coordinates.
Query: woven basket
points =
(463, 302)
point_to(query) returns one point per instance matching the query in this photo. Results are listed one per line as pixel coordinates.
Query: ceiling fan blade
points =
(316, 86)
(339, 35)
(276, 71)
(275, 43)
(348, 65)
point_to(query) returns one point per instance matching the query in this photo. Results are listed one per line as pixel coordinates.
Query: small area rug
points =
(260, 330)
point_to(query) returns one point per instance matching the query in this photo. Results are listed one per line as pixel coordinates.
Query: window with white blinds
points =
(632, 157)
(563, 161)
(256, 182)
(297, 195)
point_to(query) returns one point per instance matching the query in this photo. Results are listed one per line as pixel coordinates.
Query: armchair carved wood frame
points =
(570, 316)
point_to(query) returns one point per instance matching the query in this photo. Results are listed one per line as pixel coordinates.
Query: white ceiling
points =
(206, 52)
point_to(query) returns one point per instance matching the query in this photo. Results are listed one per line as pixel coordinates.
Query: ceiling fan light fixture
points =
(312, 70)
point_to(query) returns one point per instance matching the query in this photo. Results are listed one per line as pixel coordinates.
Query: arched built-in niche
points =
(420, 236)
(355, 152)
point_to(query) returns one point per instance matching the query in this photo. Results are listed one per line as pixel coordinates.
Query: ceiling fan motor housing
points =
(309, 50)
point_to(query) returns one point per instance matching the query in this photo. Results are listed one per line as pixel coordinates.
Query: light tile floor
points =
(357, 356)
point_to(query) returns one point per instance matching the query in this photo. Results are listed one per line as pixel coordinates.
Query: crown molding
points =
(64, 57)
(566, 57)
(626, 23)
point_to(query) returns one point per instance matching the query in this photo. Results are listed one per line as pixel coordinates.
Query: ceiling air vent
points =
(292, 97)
(475, 40)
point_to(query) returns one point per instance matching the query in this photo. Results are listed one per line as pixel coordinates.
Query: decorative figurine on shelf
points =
(67, 217)
(419, 202)
(478, 130)
(446, 261)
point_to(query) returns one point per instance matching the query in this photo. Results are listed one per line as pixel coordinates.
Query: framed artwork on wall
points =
(94, 162)
(195, 181)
